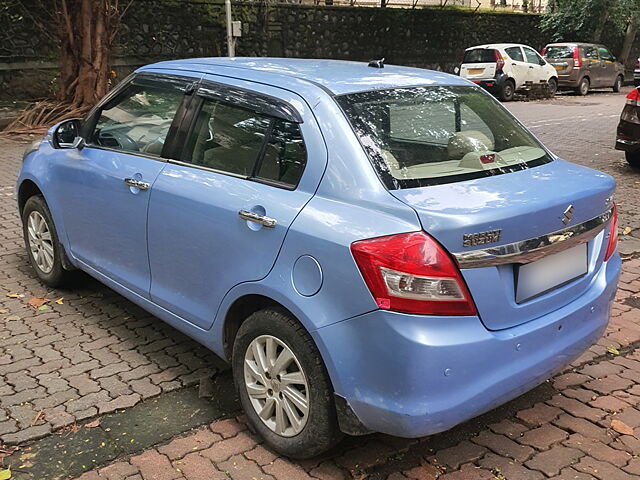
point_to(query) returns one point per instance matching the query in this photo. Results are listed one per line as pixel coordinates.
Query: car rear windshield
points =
(480, 55)
(559, 52)
(432, 135)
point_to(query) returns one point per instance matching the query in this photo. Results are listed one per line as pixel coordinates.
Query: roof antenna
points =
(377, 63)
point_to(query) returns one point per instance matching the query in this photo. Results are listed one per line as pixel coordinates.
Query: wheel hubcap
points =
(40, 242)
(276, 385)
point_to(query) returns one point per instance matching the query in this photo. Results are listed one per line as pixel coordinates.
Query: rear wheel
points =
(508, 89)
(618, 83)
(283, 385)
(583, 86)
(41, 239)
(633, 158)
(553, 86)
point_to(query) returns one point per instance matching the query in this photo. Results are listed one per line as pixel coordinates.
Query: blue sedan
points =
(371, 247)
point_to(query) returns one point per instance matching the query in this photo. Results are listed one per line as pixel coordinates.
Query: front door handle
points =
(133, 182)
(257, 218)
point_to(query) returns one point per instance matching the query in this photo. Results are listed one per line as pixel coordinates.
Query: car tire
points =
(633, 158)
(553, 86)
(508, 89)
(583, 87)
(275, 331)
(618, 83)
(45, 251)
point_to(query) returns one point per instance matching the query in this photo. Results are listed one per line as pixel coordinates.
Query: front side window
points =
(432, 135)
(138, 122)
(236, 140)
(605, 54)
(514, 53)
(532, 56)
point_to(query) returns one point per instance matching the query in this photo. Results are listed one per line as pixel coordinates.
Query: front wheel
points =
(283, 385)
(553, 86)
(583, 86)
(633, 158)
(618, 83)
(41, 239)
(508, 89)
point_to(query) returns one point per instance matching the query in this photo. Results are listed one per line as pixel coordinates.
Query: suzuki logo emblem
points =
(567, 215)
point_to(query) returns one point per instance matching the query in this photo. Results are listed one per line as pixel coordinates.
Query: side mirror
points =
(67, 135)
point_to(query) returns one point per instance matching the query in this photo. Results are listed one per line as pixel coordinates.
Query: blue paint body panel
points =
(181, 251)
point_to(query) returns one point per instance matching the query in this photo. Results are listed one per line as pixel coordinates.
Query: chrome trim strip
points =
(533, 249)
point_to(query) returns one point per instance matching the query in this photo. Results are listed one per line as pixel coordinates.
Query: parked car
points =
(636, 73)
(582, 66)
(372, 249)
(504, 68)
(628, 132)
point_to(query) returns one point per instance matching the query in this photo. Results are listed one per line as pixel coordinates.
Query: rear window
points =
(559, 52)
(433, 135)
(480, 55)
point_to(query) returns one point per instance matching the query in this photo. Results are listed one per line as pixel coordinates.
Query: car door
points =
(103, 189)
(607, 67)
(218, 217)
(536, 71)
(591, 65)
(519, 66)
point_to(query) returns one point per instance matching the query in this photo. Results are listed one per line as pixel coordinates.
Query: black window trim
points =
(185, 84)
(248, 103)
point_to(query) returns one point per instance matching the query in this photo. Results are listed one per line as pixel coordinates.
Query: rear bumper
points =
(628, 133)
(492, 85)
(410, 375)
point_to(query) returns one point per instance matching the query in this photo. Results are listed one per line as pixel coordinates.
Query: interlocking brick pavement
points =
(107, 354)
(92, 354)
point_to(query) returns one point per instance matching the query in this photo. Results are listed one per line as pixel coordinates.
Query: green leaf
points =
(613, 351)
(41, 307)
(5, 474)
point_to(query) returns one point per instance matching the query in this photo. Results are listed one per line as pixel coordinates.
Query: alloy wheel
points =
(40, 241)
(276, 385)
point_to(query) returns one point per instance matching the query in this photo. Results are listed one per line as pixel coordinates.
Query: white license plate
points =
(550, 272)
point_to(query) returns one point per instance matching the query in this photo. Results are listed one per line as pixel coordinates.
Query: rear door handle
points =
(257, 218)
(133, 182)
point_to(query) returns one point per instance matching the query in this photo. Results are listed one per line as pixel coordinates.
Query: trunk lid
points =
(523, 205)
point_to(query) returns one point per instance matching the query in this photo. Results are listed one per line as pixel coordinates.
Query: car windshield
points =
(479, 55)
(432, 135)
(559, 52)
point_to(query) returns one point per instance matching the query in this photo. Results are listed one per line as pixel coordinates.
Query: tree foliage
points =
(585, 20)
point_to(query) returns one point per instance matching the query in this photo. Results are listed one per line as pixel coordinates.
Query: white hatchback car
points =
(503, 68)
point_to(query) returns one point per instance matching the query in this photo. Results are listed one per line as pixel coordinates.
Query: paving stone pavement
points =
(97, 352)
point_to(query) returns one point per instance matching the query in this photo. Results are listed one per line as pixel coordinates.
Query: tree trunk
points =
(604, 16)
(629, 38)
(85, 48)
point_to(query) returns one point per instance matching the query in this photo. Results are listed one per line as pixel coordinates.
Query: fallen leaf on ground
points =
(5, 474)
(94, 424)
(59, 301)
(36, 418)
(43, 307)
(37, 302)
(621, 427)
(626, 231)
(2, 310)
(13, 295)
(613, 351)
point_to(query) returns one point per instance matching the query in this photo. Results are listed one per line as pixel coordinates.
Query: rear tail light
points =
(499, 60)
(633, 97)
(613, 234)
(543, 51)
(577, 59)
(412, 273)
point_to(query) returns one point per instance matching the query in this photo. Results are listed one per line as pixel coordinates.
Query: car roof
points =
(500, 45)
(571, 44)
(335, 76)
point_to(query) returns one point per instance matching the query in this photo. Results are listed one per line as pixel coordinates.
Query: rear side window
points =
(559, 52)
(239, 141)
(591, 53)
(515, 53)
(479, 55)
(139, 122)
